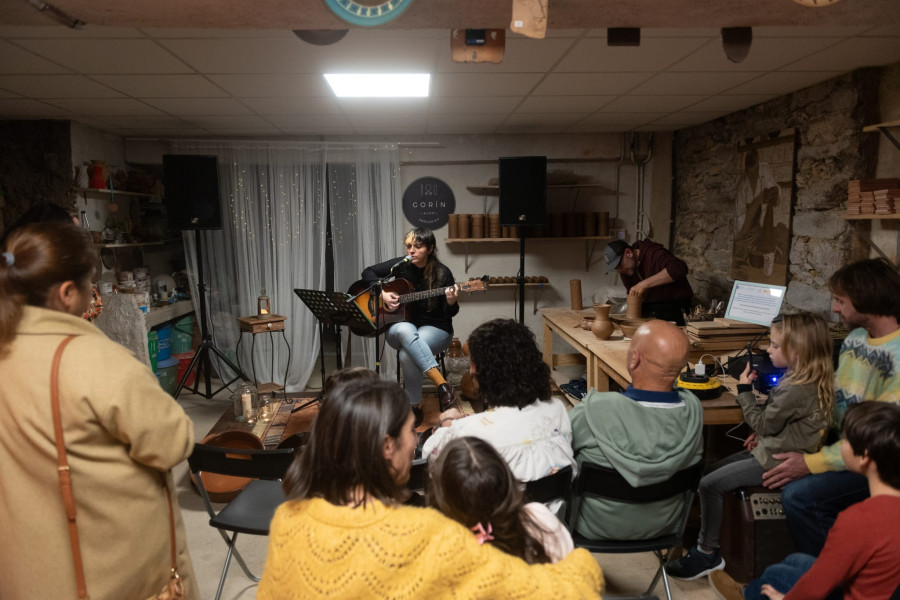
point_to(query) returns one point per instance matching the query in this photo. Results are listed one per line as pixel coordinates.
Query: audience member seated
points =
(646, 434)
(472, 484)
(122, 434)
(343, 533)
(344, 375)
(793, 419)
(865, 296)
(525, 424)
(862, 552)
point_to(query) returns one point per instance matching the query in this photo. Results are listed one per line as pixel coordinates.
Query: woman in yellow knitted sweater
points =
(343, 532)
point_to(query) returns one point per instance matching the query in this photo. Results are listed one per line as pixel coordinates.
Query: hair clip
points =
(9, 258)
(481, 535)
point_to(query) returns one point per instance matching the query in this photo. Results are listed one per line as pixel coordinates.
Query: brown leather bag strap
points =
(65, 476)
(171, 523)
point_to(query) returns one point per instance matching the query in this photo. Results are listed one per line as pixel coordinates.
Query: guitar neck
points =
(405, 298)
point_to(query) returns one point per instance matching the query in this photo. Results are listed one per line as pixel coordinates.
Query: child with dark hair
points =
(862, 551)
(472, 484)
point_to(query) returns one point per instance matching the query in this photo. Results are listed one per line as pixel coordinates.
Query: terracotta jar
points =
(634, 304)
(602, 327)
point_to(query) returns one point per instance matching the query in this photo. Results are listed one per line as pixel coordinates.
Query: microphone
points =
(406, 259)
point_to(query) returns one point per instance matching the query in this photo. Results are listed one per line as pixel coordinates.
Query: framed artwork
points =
(763, 203)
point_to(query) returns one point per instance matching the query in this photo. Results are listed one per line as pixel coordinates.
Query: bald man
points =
(646, 434)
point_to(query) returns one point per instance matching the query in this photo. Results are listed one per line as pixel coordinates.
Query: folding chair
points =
(550, 487)
(252, 510)
(594, 481)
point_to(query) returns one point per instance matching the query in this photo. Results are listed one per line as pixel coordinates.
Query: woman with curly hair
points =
(527, 426)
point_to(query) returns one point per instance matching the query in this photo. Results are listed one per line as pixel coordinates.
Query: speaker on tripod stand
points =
(192, 202)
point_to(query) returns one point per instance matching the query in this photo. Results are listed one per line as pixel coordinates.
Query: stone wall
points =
(35, 166)
(830, 150)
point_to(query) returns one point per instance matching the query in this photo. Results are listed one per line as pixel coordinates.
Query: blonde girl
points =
(794, 419)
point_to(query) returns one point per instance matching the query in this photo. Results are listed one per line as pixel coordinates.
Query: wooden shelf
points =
(114, 192)
(494, 190)
(880, 126)
(496, 285)
(870, 217)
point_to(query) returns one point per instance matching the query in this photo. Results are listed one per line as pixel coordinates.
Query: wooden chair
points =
(594, 481)
(252, 510)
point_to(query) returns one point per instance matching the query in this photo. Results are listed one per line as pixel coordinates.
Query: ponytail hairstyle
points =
(807, 346)
(432, 272)
(472, 484)
(35, 259)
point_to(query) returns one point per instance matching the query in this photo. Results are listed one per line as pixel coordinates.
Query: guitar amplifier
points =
(754, 532)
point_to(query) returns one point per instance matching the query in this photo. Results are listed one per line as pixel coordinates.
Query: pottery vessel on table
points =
(602, 327)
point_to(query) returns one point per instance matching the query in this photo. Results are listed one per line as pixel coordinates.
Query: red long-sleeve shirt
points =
(861, 554)
(652, 259)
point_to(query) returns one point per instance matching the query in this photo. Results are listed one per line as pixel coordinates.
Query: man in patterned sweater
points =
(865, 294)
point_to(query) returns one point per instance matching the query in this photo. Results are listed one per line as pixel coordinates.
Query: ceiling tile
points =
(105, 106)
(686, 119)
(106, 56)
(18, 61)
(654, 54)
(387, 123)
(306, 121)
(291, 55)
(621, 119)
(480, 104)
(555, 120)
(224, 121)
(482, 84)
(691, 83)
(383, 106)
(148, 122)
(589, 84)
(6, 94)
(22, 107)
(56, 86)
(244, 131)
(162, 86)
(473, 121)
(851, 54)
(273, 86)
(200, 106)
(293, 106)
(781, 83)
(765, 54)
(68, 32)
(634, 103)
(563, 104)
(185, 32)
(729, 104)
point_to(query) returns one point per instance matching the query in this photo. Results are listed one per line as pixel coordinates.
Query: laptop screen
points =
(756, 303)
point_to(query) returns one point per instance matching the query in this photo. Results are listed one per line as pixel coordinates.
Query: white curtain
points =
(274, 203)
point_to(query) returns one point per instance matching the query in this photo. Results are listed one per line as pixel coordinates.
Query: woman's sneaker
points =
(695, 564)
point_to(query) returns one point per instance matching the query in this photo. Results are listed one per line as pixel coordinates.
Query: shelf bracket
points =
(537, 297)
(589, 246)
(466, 246)
(884, 131)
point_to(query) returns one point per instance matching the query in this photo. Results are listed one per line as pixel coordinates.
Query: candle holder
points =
(246, 403)
(262, 304)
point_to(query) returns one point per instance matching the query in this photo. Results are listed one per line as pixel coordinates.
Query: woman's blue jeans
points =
(417, 346)
(783, 576)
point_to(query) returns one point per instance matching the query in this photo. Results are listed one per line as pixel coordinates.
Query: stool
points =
(263, 324)
(439, 357)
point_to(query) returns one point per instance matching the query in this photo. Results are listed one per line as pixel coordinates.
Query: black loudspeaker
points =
(523, 190)
(192, 191)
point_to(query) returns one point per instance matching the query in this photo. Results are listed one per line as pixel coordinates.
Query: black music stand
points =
(336, 309)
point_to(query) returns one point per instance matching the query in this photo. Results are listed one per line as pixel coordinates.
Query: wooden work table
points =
(605, 361)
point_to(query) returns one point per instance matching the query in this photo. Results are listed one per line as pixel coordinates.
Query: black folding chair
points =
(550, 487)
(252, 510)
(594, 481)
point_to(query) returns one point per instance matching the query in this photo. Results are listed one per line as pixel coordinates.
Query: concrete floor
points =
(624, 573)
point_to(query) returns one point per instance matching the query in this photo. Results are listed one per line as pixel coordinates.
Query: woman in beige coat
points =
(122, 434)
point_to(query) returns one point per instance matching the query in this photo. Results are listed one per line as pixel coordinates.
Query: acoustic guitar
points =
(404, 289)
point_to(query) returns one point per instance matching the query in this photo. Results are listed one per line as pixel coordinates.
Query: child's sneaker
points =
(695, 564)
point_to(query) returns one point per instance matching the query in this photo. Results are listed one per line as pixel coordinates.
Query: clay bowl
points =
(225, 488)
(628, 326)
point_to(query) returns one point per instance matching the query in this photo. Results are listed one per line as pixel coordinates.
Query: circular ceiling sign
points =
(368, 13)
(428, 202)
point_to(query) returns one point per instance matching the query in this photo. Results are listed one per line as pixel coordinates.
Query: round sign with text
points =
(428, 202)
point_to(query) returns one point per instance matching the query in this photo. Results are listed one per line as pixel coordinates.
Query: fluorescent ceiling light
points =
(385, 85)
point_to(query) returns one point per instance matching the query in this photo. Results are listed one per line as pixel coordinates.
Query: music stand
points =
(337, 309)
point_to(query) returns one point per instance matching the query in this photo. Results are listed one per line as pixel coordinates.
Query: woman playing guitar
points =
(429, 327)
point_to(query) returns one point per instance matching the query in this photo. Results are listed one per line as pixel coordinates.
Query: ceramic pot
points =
(602, 327)
(633, 307)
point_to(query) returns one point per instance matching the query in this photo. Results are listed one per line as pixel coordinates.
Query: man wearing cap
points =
(652, 272)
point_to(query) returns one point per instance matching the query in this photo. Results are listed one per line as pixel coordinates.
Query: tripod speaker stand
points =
(201, 355)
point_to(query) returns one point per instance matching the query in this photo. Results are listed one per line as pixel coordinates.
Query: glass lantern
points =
(262, 304)
(246, 403)
(266, 407)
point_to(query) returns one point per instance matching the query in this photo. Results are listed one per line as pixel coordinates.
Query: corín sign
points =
(428, 202)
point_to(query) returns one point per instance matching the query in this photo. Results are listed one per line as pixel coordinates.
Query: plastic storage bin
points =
(167, 373)
(182, 335)
(165, 343)
(184, 361)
